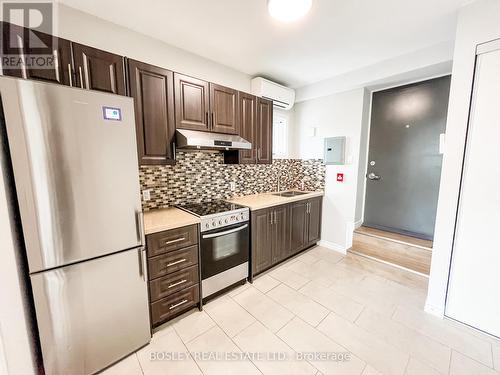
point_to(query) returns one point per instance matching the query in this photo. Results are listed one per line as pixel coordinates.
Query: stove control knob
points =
(220, 222)
(213, 223)
(207, 225)
(226, 221)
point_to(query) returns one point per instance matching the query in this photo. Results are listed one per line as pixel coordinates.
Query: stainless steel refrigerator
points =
(75, 170)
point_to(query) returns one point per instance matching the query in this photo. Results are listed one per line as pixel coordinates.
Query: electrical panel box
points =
(334, 150)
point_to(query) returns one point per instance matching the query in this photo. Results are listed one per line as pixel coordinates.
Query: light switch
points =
(146, 195)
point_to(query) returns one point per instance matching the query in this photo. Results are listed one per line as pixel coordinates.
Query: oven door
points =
(224, 248)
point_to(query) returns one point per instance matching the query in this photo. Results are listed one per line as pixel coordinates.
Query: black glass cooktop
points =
(210, 208)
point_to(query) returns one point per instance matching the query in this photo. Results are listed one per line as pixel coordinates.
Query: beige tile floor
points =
(319, 301)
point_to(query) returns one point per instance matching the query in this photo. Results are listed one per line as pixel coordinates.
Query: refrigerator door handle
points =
(141, 236)
(142, 265)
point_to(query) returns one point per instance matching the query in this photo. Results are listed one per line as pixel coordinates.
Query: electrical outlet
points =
(232, 186)
(146, 195)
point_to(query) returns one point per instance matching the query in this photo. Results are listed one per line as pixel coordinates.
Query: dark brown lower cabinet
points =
(282, 231)
(174, 273)
(314, 220)
(262, 256)
(298, 224)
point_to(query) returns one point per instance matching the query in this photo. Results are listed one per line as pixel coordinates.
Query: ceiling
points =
(336, 37)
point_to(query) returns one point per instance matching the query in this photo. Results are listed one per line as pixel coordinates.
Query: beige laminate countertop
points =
(159, 220)
(166, 219)
(265, 200)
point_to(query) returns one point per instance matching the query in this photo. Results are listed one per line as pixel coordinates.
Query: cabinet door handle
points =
(81, 76)
(275, 218)
(175, 241)
(176, 262)
(212, 123)
(177, 283)
(271, 218)
(70, 75)
(174, 151)
(178, 304)
(57, 67)
(208, 122)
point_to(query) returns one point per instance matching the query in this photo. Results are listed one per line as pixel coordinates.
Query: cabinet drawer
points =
(170, 240)
(167, 285)
(171, 262)
(167, 307)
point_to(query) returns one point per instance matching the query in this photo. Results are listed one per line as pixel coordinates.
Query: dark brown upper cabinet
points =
(192, 103)
(33, 43)
(264, 135)
(99, 70)
(153, 91)
(248, 126)
(224, 110)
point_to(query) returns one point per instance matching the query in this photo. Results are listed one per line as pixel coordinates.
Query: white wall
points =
(335, 115)
(87, 29)
(428, 62)
(478, 23)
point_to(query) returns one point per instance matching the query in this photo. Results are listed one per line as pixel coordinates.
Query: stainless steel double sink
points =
(290, 193)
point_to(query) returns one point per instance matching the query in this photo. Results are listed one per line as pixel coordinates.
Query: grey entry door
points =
(404, 162)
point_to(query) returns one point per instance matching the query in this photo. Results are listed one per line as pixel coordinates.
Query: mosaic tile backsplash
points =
(203, 176)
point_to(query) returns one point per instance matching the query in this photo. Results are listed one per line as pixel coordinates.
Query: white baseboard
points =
(333, 246)
(437, 311)
(358, 224)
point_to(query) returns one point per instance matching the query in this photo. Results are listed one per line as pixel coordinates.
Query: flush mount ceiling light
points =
(288, 10)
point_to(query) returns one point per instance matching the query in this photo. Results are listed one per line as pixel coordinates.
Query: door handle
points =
(175, 241)
(178, 304)
(57, 67)
(372, 176)
(142, 268)
(205, 236)
(176, 262)
(70, 75)
(81, 76)
(177, 283)
(141, 236)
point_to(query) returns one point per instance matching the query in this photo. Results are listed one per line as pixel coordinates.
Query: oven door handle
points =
(224, 233)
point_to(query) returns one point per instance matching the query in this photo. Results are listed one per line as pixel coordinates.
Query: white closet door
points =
(474, 285)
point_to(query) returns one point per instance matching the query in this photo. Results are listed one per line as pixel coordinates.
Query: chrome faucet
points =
(279, 181)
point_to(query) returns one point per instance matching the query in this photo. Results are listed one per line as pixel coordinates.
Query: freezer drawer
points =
(93, 313)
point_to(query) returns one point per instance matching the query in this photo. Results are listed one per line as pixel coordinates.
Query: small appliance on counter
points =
(224, 244)
(69, 156)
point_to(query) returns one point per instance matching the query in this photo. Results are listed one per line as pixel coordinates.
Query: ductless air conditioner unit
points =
(282, 97)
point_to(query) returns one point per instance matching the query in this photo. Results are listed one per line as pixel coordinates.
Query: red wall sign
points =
(340, 177)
